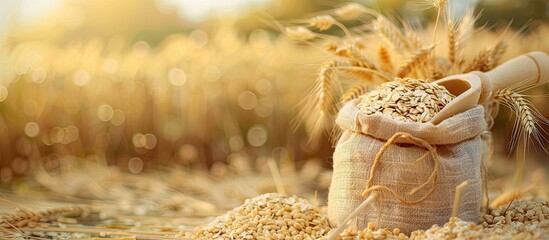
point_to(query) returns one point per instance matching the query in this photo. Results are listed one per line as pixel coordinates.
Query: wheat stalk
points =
(457, 197)
(418, 59)
(440, 5)
(345, 222)
(510, 196)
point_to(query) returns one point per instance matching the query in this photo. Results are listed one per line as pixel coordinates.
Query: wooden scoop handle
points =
(526, 69)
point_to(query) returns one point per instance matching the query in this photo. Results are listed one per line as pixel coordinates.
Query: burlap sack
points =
(416, 173)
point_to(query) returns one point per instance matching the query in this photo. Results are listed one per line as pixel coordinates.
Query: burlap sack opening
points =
(417, 169)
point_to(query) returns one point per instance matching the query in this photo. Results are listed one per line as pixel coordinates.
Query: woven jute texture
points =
(414, 168)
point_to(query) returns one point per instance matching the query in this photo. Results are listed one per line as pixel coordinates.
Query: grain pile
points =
(524, 211)
(274, 216)
(408, 100)
(526, 218)
(522, 219)
(268, 216)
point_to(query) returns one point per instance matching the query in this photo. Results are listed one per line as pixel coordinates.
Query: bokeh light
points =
(81, 78)
(38, 75)
(57, 135)
(150, 141)
(71, 134)
(257, 135)
(263, 86)
(135, 165)
(139, 140)
(118, 117)
(32, 129)
(105, 113)
(247, 100)
(110, 66)
(177, 77)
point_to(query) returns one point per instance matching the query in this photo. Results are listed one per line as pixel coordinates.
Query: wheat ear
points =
(412, 39)
(353, 53)
(487, 59)
(390, 33)
(322, 22)
(529, 119)
(353, 92)
(325, 22)
(25, 217)
(436, 72)
(460, 29)
(384, 59)
(453, 47)
(331, 47)
(481, 62)
(528, 123)
(417, 60)
(317, 108)
(497, 52)
(352, 11)
(358, 60)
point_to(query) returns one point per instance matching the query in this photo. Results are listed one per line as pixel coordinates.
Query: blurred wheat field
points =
(185, 102)
(108, 137)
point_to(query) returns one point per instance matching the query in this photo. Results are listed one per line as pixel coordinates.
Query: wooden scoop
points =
(476, 87)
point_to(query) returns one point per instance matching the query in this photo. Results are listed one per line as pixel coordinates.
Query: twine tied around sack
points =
(431, 180)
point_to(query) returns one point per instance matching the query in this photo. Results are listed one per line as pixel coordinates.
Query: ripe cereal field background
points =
(206, 120)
